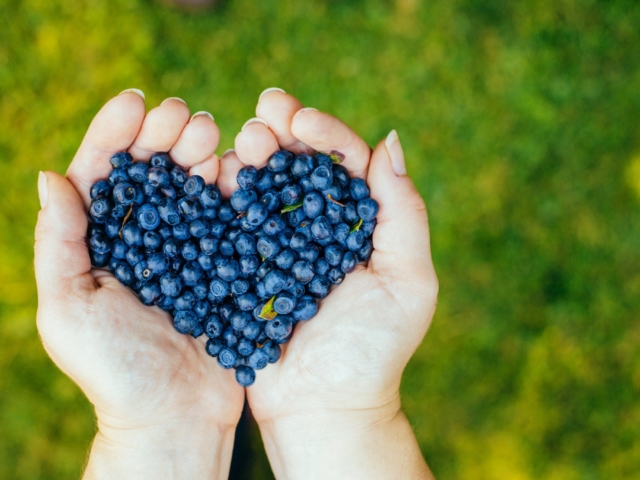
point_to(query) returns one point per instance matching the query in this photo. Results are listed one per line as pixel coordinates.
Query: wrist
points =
(374, 442)
(180, 448)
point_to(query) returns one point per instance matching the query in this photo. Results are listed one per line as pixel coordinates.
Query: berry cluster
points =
(242, 271)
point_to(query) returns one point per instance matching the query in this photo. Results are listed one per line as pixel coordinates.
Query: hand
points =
(336, 386)
(162, 404)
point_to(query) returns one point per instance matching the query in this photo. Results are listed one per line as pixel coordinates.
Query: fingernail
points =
(202, 114)
(229, 151)
(173, 98)
(395, 153)
(43, 189)
(272, 89)
(133, 90)
(254, 120)
(307, 109)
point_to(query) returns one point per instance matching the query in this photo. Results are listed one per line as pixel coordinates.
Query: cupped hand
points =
(136, 370)
(351, 355)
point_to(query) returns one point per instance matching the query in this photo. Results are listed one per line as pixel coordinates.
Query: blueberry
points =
(119, 249)
(161, 159)
(150, 293)
(214, 346)
(319, 286)
(148, 189)
(211, 197)
(355, 240)
(246, 347)
(270, 200)
(191, 274)
(112, 227)
(131, 234)
(297, 290)
(247, 177)
(158, 177)
(226, 213)
(263, 180)
(305, 229)
(321, 228)
(194, 185)
(295, 217)
(213, 326)
(118, 175)
(101, 188)
(280, 179)
(341, 176)
(171, 247)
(228, 270)
(313, 204)
(340, 233)
(227, 358)
(148, 216)
(258, 359)
(291, 194)
(168, 211)
(199, 228)
(249, 264)
(134, 255)
(205, 261)
(124, 193)
(284, 303)
(100, 243)
(335, 276)
(334, 212)
(310, 253)
(365, 251)
(268, 246)
(225, 310)
(272, 349)
(152, 241)
(322, 159)
(367, 209)
(321, 266)
(177, 176)
(124, 274)
(239, 287)
(189, 250)
(191, 208)
(274, 281)
(218, 289)
(247, 302)
(350, 213)
(280, 161)
(349, 262)
(367, 227)
(201, 289)
(229, 336)
(252, 330)
(358, 189)
(241, 199)
(279, 328)
(100, 259)
(245, 244)
(322, 177)
(138, 172)
(181, 231)
(158, 263)
(306, 308)
(273, 225)
(186, 301)
(256, 214)
(306, 184)
(217, 228)
(285, 259)
(209, 245)
(165, 303)
(302, 165)
(298, 241)
(170, 284)
(284, 237)
(302, 271)
(245, 376)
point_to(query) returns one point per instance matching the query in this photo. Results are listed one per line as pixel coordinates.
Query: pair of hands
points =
(330, 407)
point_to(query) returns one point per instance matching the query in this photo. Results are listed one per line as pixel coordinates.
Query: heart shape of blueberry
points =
(242, 271)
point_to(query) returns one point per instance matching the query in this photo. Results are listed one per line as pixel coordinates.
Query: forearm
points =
(377, 444)
(199, 451)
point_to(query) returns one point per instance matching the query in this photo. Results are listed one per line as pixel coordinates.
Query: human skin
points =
(330, 408)
(164, 409)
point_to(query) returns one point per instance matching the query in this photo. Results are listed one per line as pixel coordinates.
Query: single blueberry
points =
(209, 245)
(252, 330)
(340, 233)
(202, 308)
(341, 176)
(158, 177)
(280, 179)
(191, 274)
(102, 188)
(245, 376)
(171, 247)
(322, 177)
(247, 302)
(297, 290)
(226, 213)
(246, 347)
(355, 240)
(178, 176)
(186, 301)
(194, 186)
(214, 346)
(199, 228)
(247, 177)
(274, 281)
(279, 328)
(256, 214)
(273, 225)
(321, 228)
(229, 336)
(118, 175)
(263, 180)
(245, 244)
(169, 192)
(258, 359)
(119, 249)
(270, 200)
(310, 253)
(306, 308)
(191, 208)
(148, 216)
(272, 349)
(350, 213)
(211, 197)
(228, 270)
(161, 159)
(217, 228)
(335, 275)
(302, 271)
(124, 193)
(134, 255)
(152, 241)
(321, 266)
(365, 251)
(168, 211)
(241, 199)
(189, 250)
(150, 293)
(205, 261)
(170, 284)
(218, 289)
(201, 289)
(367, 209)
(131, 234)
(124, 274)
(249, 264)
(213, 326)
(284, 303)
(295, 217)
(280, 161)
(138, 172)
(185, 321)
(239, 287)
(322, 159)
(313, 204)
(306, 184)
(302, 165)
(334, 212)
(101, 259)
(100, 243)
(158, 263)
(285, 259)
(268, 246)
(358, 189)
(349, 262)
(319, 286)
(291, 194)
(181, 231)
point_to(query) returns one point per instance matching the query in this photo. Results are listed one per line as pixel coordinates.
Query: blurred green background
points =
(520, 125)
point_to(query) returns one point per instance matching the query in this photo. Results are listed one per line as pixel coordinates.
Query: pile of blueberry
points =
(242, 271)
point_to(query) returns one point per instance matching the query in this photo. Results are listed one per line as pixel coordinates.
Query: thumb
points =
(62, 259)
(402, 249)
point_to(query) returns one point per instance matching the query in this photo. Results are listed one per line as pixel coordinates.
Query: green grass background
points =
(520, 127)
